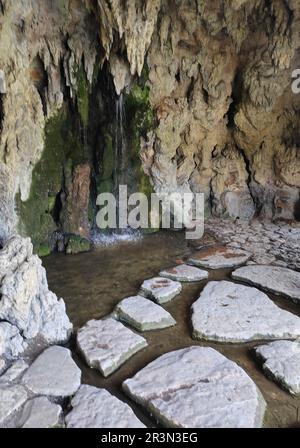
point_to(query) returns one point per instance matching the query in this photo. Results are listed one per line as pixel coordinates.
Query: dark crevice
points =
(39, 78)
(1, 112)
(57, 208)
(297, 209)
(190, 91)
(236, 97)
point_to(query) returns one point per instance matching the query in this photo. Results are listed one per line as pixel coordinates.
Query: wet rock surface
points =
(197, 387)
(229, 312)
(97, 408)
(106, 344)
(184, 273)
(281, 361)
(161, 290)
(143, 314)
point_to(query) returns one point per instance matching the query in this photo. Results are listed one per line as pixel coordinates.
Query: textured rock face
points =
(228, 312)
(161, 290)
(218, 78)
(11, 400)
(27, 307)
(41, 413)
(281, 361)
(106, 344)
(97, 408)
(197, 387)
(278, 280)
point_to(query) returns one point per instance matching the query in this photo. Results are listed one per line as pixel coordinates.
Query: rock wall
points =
(212, 78)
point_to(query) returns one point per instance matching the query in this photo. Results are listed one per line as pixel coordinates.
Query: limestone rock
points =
(184, 273)
(27, 306)
(2, 365)
(11, 400)
(228, 312)
(143, 314)
(106, 344)
(275, 279)
(40, 413)
(14, 372)
(281, 361)
(161, 290)
(197, 387)
(97, 408)
(219, 257)
(53, 373)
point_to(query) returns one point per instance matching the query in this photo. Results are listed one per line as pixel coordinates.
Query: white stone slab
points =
(185, 273)
(106, 344)
(197, 387)
(41, 413)
(12, 399)
(219, 257)
(161, 290)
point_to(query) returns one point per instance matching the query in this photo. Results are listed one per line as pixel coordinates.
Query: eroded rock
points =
(11, 400)
(197, 387)
(97, 408)
(143, 314)
(41, 413)
(228, 312)
(106, 344)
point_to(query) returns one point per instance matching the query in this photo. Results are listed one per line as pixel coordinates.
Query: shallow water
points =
(93, 283)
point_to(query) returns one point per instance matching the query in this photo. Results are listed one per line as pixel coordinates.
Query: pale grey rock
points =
(143, 314)
(275, 279)
(2, 365)
(281, 361)
(229, 312)
(97, 408)
(12, 397)
(197, 387)
(40, 413)
(27, 306)
(219, 257)
(161, 290)
(184, 273)
(53, 373)
(14, 372)
(106, 344)
(11, 342)
(2, 82)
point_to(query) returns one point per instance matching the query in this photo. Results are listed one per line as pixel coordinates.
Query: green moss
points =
(77, 244)
(44, 250)
(35, 214)
(83, 95)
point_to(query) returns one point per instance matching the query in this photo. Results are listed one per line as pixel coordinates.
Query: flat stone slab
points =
(229, 312)
(14, 371)
(97, 408)
(281, 361)
(275, 279)
(143, 315)
(53, 373)
(161, 290)
(41, 413)
(106, 344)
(197, 387)
(218, 257)
(185, 273)
(11, 400)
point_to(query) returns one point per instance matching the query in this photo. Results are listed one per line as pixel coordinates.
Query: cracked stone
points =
(40, 413)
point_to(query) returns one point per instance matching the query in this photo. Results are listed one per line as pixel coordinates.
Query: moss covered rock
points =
(77, 244)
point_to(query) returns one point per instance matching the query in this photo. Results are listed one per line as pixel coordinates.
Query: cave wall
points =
(212, 80)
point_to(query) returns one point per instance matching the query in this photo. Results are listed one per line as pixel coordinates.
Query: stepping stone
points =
(97, 408)
(161, 290)
(228, 312)
(281, 361)
(11, 400)
(40, 413)
(53, 373)
(106, 344)
(143, 315)
(197, 387)
(184, 273)
(219, 257)
(281, 281)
